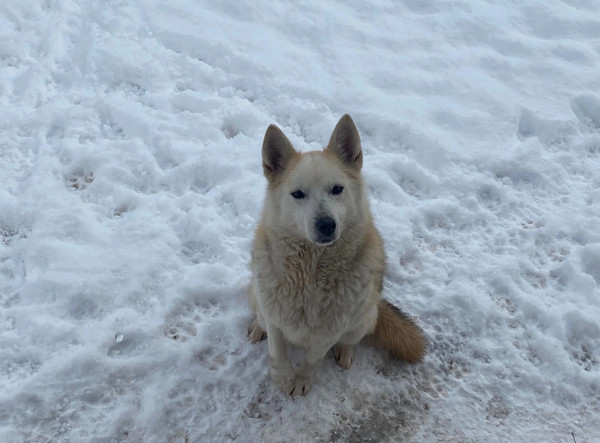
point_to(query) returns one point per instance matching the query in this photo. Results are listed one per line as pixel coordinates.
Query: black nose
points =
(325, 225)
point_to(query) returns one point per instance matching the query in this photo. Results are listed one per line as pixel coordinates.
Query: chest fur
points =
(308, 292)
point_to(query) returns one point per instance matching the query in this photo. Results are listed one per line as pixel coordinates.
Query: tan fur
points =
(313, 289)
(397, 333)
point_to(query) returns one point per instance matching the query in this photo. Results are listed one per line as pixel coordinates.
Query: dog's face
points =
(315, 198)
(316, 195)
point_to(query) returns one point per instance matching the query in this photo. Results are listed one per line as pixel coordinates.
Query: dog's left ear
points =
(345, 143)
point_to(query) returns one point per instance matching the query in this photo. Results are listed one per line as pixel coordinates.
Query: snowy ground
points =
(131, 182)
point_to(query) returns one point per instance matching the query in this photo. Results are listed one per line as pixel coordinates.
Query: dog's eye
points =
(298, 194)
(337, 189)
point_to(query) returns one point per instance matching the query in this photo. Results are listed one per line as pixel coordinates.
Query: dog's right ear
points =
(277, 151)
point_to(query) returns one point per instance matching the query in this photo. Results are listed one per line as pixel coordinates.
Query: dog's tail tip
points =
(399, 334)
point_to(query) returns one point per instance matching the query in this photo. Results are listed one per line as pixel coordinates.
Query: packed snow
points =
(131, 183)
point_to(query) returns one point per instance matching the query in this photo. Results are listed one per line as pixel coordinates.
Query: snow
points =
(131, 182)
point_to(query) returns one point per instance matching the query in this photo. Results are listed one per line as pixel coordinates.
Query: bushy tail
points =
(397, 333)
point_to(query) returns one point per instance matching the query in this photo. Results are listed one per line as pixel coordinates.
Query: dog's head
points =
(314, 195)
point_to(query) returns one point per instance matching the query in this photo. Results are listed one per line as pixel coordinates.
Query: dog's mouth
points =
(325, 241)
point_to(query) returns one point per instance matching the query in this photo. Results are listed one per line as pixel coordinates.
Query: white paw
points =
(255, 332)
(343, 355)
(300, 385)
(291, 383)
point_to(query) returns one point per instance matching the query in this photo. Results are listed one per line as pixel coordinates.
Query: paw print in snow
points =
(180, 331)
(81, 180)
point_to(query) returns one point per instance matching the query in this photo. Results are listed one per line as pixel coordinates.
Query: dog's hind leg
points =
(255, 332)
(343, 351)
(256, 329)
(343, 355)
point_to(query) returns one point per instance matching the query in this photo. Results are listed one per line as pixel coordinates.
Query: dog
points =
(318, 262)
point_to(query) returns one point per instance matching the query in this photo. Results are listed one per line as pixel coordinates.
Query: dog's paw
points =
(300, 385)
(292, 384)
(255, 332)
(343, 355)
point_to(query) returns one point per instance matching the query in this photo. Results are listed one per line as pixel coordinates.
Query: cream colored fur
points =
(315, 295)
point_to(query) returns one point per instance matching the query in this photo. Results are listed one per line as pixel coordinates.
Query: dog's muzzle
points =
(325, 227)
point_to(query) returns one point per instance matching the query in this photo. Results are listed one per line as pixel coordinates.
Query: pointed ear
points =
(277, 151)
(345, 143)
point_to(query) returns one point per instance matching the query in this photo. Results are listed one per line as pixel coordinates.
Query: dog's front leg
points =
(306, 370)
(281, 370)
